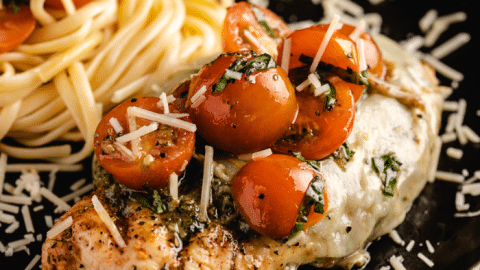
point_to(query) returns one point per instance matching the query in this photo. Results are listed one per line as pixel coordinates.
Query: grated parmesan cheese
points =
(105, 217)
(138, 133)
(173, 181)
(287, 47)
(207, 179)
(455, 153)
(430, 247)
(233, 74)
(426, 260)
(27, 218)
(261, 153)
(164, 101)
(60, 227)
(449, 176)
(328, 35)
(47, 194)
(460, 204)
(427, 20)
(162, 119)
(116, 125)
(410, 245)
(396, 263)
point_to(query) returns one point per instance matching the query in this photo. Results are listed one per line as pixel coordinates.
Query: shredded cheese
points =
(287, 47)
(426, 260)
(199, 93)
(137, 133)
(328, 35)
(173, 181)
(116, 125)
(358, 30)
(60, 227)
(207, 179)
(233, 74)
(163, 119)
(105, 217)
(164, 100)
(261, 153)
(27, 219)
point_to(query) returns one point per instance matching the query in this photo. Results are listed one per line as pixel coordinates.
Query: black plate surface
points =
(456, 240)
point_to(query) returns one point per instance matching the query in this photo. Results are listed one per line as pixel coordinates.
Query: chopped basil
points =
(386, 167)
(151, 200)
(296, 229)
(314, 197)
(330, 98)
(261, 62)
(313, 163)
(15, 5)
(260, 17)
(344, 152)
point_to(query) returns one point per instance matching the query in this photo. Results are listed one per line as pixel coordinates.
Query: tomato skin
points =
(240, 17)
(15, 28)
(317, 133)
(171, 148)
(247, 116)
(341, 51)
(57, 4)
(373, 55)
(268, 193)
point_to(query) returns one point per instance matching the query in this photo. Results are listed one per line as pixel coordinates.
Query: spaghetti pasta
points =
(80, 62)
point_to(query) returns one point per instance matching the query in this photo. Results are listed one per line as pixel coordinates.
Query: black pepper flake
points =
(234, 126)
(80, 266)
(349, 228)
(162, 155)
(141, 223)
(133, 100)
(261, 196)
(276, 252)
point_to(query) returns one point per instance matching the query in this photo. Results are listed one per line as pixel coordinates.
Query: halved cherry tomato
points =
(245, 114)
(319, 131)
(340, 57)
(269, 192)
(164, 151)
(244, 21)
(15, 27)
(57, 4)
(373, 55)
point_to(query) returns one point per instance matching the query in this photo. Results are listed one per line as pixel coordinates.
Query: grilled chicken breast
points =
(400, 115)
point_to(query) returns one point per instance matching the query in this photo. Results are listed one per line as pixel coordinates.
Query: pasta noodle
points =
(79, 63)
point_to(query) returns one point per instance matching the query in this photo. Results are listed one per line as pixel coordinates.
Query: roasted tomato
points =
(340, 57)
(149, 160)
(242, 102)
(323, 122)
(269, 193)
(250, 27)
(15, 27)
(57, 4)
(373, 55)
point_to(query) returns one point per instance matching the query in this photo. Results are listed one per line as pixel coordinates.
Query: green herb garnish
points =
(386, 167)
(151, 200)
(261, 62)
(260, 17)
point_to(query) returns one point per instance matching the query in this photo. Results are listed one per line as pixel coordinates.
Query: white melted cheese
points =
(358, 211)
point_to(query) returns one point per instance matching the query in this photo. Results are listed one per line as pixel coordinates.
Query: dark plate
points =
(456, 240)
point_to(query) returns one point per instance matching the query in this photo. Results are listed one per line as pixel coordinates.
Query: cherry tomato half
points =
(340, 57)
(164, 151)
(250, 27)
(373, 55)
(269, 191)
(57, 4)
(318, 131)
(246, 114)
(15, 27)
